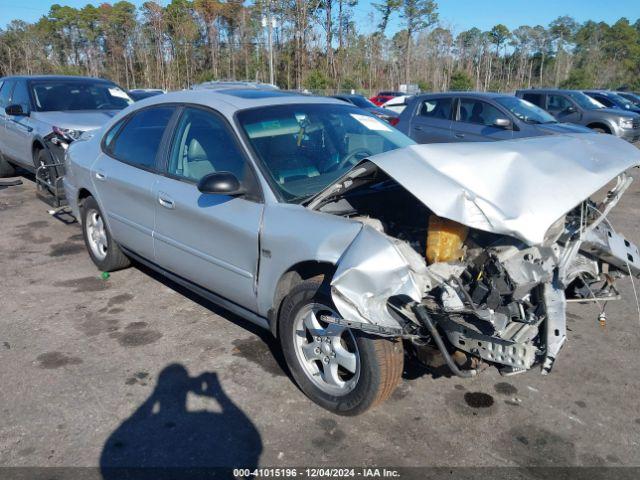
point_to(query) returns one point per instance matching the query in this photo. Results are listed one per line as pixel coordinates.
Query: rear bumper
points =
(71, 193)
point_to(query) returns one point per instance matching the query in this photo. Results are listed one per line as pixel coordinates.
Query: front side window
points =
(5, 92)
(558, 103)
(525, 111)
(202, 144)
(21, 96)
(305, 147)
(478, 112)
(138, 141)
(439, 108)
(66, 95)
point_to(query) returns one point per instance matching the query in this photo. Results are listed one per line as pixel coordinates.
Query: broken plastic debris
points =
(105, 275)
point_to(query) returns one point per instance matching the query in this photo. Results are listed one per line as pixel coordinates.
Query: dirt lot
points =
(133, 371)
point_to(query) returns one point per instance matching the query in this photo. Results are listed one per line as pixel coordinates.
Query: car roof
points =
(465, 94)
(547, 90)
(55, 77)
(229, 101)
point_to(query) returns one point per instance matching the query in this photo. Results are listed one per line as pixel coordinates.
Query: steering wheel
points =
(357, 155)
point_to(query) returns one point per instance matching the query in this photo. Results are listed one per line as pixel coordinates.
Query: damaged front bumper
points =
(504, 304)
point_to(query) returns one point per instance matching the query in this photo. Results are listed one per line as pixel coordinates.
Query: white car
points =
(397, 104)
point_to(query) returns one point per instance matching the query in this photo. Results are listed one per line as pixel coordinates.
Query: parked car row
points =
(315, 219)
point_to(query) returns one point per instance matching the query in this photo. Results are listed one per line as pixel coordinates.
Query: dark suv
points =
(576, 107)
(476, 117)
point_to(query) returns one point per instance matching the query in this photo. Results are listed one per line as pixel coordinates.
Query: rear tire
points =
(377, 365)
(6, 169)
(103, 250)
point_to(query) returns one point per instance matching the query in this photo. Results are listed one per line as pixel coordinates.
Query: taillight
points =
(394, 121)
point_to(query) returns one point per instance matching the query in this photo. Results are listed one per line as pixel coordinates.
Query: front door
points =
(125, 175)
(562, 108)
(209, 239)
(18, 128)
(475, 122)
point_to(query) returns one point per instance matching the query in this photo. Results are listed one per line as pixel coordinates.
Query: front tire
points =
(6, 169)
(50, 174)
(344, 371)
(103, 250)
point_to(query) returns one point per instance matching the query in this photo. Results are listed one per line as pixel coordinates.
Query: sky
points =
(456, 14)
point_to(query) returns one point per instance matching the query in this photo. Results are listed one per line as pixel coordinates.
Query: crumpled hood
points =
(516, 187)
(83, 120)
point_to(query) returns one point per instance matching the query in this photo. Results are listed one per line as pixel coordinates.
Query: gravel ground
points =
(133, 370)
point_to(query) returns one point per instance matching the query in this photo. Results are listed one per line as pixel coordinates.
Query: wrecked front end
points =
(481, 273)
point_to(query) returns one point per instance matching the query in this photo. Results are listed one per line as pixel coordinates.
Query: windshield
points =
(632, 97)
(620, 100)
(525, 111)
(65, 95)
(585, 101)
(306, 147)
(361, 102)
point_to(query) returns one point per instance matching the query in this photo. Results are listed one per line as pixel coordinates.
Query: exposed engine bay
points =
(497, 298)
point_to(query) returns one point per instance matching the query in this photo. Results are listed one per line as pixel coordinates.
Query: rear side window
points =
(535, 98)
(5, 92)
(138, 140)
(437, 108)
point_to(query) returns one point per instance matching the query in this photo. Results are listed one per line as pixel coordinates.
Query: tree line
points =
(317, 45)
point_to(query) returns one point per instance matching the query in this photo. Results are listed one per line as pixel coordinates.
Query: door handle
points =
(417, 128)
(165, 201)
(459, 135)
(101, 176)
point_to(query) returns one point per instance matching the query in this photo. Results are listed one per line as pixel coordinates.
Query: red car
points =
(384, 97)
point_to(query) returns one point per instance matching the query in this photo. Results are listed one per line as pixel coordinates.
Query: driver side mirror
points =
(15, 111)
(503, 123)
(570, 109)
(221, 183)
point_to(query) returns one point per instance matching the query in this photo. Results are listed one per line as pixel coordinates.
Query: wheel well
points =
(82, 194)
(600, 125)
(298, 273)
(37, 146)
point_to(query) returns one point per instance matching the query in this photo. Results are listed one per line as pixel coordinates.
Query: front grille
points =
(636, 122)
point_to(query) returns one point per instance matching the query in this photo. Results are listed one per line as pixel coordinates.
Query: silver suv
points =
(41, 115)
(574, 106)
(315, 219)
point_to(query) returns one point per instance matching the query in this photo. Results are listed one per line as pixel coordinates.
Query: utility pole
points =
(270, 23)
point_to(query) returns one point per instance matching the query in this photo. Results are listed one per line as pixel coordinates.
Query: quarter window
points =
(478, 112)
(138, 141)
(437, 108)
(202, 145)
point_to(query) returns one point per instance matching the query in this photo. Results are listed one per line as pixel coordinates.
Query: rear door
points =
(209, 239)
(475, 122)
(431, 122)
(5, 95)
(125, 175)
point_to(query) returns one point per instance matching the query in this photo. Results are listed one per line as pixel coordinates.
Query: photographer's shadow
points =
(162, 434)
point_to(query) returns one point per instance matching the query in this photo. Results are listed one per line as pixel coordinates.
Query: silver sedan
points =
(353, 245)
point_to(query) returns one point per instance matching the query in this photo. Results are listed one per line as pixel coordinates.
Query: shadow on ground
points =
(164, 439)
